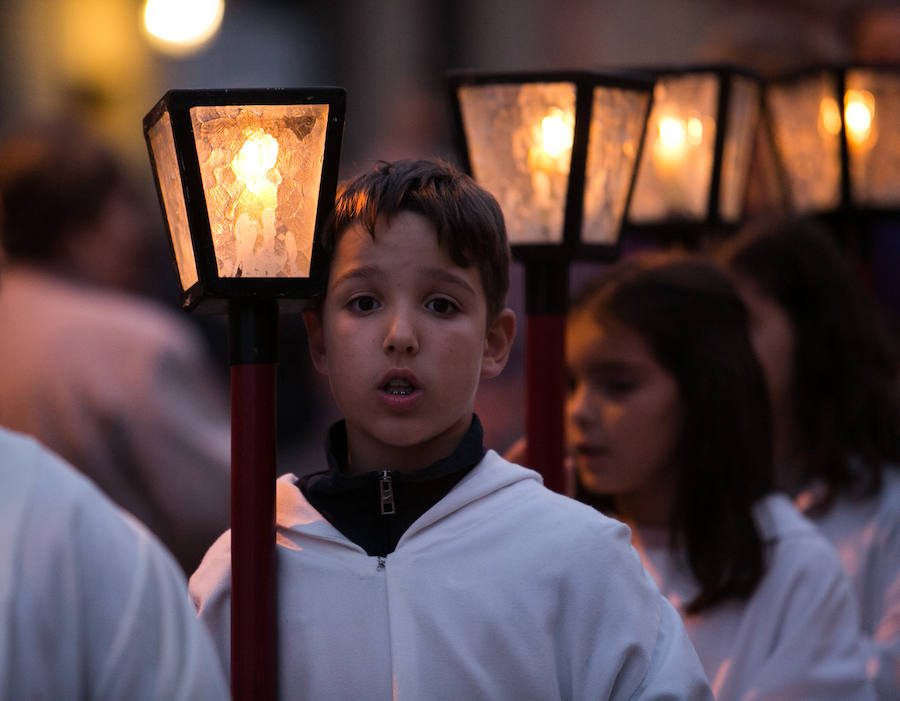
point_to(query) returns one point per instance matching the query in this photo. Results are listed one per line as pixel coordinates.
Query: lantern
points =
(693, 174)
(837, 139)
(245, 180)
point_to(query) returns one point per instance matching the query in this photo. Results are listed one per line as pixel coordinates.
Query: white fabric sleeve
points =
(884, 658)
(654, 657)
(816, 604)
(99, 608)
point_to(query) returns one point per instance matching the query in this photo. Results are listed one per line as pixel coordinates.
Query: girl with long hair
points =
(832, 378)
(668, 426)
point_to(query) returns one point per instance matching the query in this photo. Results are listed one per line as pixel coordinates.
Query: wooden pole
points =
(254, 635)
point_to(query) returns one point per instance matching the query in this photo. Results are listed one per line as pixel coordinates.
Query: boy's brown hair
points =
(467, 218)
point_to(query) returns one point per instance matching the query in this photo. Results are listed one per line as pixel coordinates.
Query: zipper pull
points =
(387, 494)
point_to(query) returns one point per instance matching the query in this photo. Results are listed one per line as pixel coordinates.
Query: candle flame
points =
(257, 156)
(859, 110)
(556, 134)
(672, 133)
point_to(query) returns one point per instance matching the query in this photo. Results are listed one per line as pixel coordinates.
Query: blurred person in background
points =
(92, 607)
(668, 428)
(117, 385)
(832, 378)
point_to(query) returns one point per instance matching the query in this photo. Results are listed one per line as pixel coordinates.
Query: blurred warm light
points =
(859, 113)
(830, 116)
(695, 131)
(182, 26)
(557, 134)
(859, 110)
(552, 149)
(672, 137)
(672, 133)
(255, 158)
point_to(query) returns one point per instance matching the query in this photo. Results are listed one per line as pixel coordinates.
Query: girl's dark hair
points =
(467, 218)
(846, 400)
(692, 319)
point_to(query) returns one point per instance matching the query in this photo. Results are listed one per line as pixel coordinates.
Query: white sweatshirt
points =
(866, 535)
(502, 590)
(798, 635)
(91, 605)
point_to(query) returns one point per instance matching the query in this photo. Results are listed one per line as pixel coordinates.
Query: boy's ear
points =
(315, 337)
(497, 344)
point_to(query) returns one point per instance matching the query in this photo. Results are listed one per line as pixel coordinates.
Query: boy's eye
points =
(363, 303)
(441, 305)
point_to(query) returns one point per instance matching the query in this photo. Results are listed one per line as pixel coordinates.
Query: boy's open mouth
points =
(399, 387)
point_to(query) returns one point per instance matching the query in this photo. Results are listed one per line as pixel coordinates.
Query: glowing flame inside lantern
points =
(673, 137)
(672, 134)
(556, 135)
(859, 116)
(256, 158)
(254, 228)
(552, 143)
(859, 112)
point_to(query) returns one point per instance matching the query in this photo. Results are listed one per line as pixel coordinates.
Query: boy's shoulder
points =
(496, 499)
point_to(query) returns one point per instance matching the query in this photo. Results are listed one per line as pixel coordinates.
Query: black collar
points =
(355, 504)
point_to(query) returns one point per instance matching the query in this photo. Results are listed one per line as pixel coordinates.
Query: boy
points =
(420, 566)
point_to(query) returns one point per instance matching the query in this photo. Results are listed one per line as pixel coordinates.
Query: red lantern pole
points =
(546, 293)
(253, 354)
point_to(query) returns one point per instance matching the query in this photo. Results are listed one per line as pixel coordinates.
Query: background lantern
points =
(693, 174)
(837, 139)
(245, 180)
(558, 151)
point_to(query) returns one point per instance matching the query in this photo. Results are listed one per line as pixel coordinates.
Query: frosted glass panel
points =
(806, 122)
(163, 146)
(617, 118)
(261, 166)
(676, 163)
(743, 119)
(520, 146)
(872, 114)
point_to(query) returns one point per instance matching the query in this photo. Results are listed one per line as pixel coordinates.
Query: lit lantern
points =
(558, 150)
(837, 138)
(693, 174)
(245, 180)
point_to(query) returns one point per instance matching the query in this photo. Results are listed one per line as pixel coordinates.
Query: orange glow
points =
(859, 113)
(182, 26)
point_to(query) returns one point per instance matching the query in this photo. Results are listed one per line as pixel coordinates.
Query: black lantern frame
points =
(211, 292)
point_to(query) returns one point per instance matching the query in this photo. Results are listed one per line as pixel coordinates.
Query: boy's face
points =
(403, 338)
